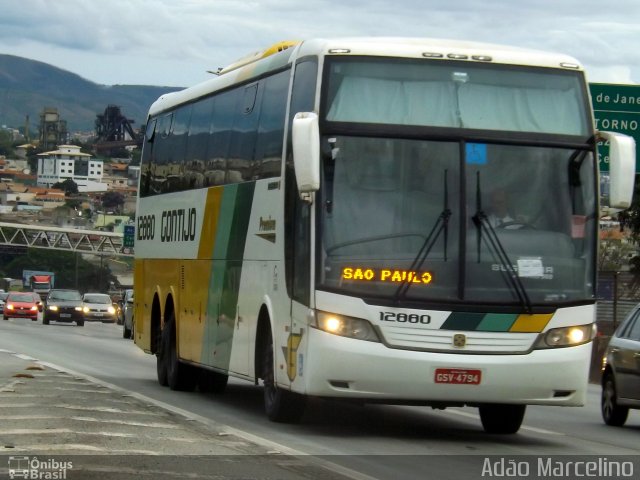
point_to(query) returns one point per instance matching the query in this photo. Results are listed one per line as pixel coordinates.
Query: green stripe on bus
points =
(462, 321)
(485, 322)
(497, 322)
(230, 238)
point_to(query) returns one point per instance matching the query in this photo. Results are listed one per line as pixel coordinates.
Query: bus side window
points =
(268, 157)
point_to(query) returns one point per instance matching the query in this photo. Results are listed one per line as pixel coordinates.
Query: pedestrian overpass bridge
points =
(17, 236)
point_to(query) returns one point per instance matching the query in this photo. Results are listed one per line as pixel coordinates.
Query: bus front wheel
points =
(502, 418)
(280, 405)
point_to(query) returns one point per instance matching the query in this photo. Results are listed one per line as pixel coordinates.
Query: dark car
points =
(99, 307)
(22, 305)
(621, 371)
(63, 306)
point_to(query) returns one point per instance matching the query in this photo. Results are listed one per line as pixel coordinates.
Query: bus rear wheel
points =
(180, 376)
(280, 405)
(161, 353)
(502, 418)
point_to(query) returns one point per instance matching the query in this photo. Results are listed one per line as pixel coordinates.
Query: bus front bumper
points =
(342, 367)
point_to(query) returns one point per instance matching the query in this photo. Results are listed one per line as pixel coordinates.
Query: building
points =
(23, 197)
(52, 129)
(14, 165)
(68, 162)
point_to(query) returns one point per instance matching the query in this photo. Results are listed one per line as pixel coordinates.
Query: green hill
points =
(28, 86)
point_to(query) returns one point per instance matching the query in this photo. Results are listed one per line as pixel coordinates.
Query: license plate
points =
(458, 376)
(65, 315)
(98, 314)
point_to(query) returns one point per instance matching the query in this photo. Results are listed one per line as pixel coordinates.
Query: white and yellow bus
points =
(318, 218)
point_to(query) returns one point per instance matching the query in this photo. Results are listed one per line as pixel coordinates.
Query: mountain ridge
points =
(28, 86)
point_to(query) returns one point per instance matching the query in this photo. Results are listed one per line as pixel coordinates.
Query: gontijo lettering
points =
(386, 275)
(178, 225)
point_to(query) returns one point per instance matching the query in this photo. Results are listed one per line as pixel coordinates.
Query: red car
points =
(22, 305)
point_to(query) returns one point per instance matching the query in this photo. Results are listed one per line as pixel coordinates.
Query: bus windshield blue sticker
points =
(476, 153)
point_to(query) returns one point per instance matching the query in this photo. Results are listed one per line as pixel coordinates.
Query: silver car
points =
(621, 371)
(127, 324)
(3, 298)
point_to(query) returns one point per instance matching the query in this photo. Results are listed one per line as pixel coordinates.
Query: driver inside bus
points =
(499, 212)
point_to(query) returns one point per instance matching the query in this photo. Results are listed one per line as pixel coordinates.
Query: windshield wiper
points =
(482, 223)
(441, 225)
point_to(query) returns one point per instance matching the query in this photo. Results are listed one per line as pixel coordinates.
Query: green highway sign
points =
(129, 236)
(617, 109)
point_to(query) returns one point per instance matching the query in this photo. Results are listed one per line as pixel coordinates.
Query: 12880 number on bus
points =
(405, 318)
(146, 227)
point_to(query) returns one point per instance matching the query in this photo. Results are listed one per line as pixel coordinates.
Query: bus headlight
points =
(566, 336)
(346, 326)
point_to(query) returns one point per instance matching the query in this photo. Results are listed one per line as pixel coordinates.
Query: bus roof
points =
(275, 57)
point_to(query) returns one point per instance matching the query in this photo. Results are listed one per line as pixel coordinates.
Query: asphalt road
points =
(385, 442)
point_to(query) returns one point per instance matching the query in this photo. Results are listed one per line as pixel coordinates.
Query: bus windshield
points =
(456, 95)
(453, 220)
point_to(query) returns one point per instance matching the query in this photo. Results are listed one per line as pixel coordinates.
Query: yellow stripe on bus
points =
(210, 223)
(531, 323)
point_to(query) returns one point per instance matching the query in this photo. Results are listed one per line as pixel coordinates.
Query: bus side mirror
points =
(622, 169)
(306, 153)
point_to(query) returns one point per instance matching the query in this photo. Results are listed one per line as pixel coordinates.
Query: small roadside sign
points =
(616, 109)
(129, 236)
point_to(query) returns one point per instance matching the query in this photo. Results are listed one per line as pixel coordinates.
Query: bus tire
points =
(180, 376)
(612, 413)
(280, 405)
(212, 382)
(161, 353)
(502, 418)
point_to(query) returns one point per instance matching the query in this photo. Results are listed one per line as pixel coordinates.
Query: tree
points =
(73, 203)
(71, 269)
(136, 154)
(112, 200)
(630, 219)
(6, 143)
(614, 252)
(68, 186)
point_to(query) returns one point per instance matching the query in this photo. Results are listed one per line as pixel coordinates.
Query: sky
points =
(176, 42)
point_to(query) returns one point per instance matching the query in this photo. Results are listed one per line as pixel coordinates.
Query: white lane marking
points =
(24, 357)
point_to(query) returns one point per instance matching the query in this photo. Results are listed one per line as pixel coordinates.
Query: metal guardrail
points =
(66, 239)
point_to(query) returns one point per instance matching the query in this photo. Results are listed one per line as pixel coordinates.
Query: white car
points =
(98, 307)
(127, 324)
